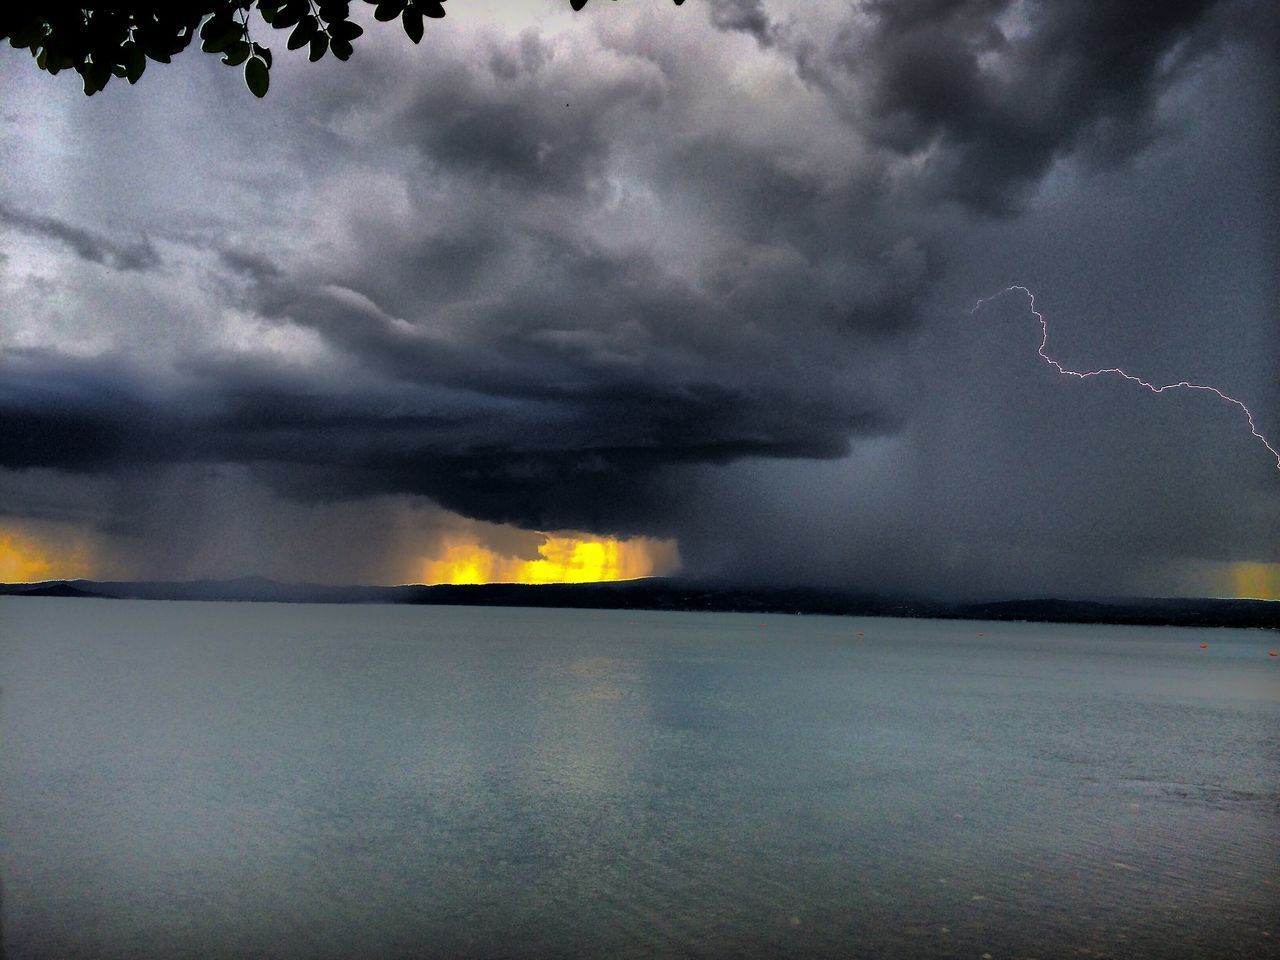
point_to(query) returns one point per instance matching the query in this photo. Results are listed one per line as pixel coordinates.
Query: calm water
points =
(207, 779)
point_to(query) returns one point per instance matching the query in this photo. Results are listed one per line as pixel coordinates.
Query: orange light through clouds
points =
(1255, 581)
(25, 559)
(567, 558)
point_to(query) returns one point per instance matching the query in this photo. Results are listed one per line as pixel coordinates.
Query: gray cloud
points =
(747, 16)
(87, 244)
(990, 93)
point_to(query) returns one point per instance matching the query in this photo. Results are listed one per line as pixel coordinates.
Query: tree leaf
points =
(29, 35)
(135, 62)
(334, 10)
(94, 75)
(319, 46)
(288, 15)
(268, 9)
(237, 53)
(219, 34)
(341, 48)
(256, 76)
(412, 21)
(345, 30)
(307, 28)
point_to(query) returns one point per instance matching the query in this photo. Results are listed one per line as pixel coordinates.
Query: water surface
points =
(271, 780)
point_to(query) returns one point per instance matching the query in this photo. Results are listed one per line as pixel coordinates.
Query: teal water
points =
(267, 780)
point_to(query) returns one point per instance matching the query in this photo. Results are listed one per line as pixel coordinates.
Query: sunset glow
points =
(1255, 581)
(25, 559)
(565, 558)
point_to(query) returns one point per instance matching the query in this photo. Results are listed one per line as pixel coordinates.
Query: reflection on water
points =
(192, 780)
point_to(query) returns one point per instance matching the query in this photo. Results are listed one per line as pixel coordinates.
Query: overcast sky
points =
(700, 273)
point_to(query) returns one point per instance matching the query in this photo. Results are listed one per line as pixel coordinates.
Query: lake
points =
(290, 781)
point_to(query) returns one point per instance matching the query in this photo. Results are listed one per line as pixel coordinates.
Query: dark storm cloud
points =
(257, 268)
(479, 130)
(747, 16)
(578, 449)
(689, 282)
(87, 244)
(994, 91)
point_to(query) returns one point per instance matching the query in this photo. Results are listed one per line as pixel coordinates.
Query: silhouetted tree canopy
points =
(104, 40)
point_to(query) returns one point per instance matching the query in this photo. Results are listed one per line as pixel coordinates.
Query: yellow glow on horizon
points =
(565, 558)
(24, 559)
(1254, 581)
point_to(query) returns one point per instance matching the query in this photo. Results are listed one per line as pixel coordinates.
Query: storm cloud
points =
(86, 244)
(701, 273)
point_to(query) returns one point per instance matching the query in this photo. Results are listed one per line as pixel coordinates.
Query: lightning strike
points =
(1085, 375)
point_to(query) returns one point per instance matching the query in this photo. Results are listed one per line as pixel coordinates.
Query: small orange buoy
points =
(1204, 646)
(1272, 653)
(861, 634)
(981, 634)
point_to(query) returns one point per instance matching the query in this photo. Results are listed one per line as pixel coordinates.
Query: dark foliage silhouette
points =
(116, 39)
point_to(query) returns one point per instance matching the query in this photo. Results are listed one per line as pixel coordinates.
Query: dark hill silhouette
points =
(675, 594)
(55, 589)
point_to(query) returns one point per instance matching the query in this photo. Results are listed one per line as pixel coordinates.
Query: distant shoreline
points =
(677, 595)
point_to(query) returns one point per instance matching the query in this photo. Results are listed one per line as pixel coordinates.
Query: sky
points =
(647, 289)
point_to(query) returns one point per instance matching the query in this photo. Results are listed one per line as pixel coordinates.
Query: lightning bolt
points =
(1085, 375)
